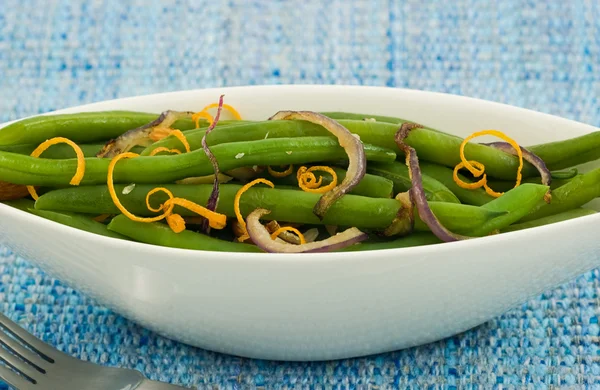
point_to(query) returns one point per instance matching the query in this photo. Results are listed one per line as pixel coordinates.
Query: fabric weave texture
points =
(541, 55)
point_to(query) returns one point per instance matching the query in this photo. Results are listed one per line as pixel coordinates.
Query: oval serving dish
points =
(320, 306)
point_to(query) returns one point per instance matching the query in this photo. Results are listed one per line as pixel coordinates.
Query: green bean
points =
(22, 204)
(286, 205)
(160, 234)
(397, 172)
(78, 221)
(84, 127)
(430, 145)
(60, 151)
(517, 203)
(414, 239)
(569, 152)
(556, 155)
(505, 185)
(245, 132)
(427, 238)
(371, 185)
(368, 117)
(476, 197)
(576, 193)
(338, 115)
(19, 169)
(565, 215)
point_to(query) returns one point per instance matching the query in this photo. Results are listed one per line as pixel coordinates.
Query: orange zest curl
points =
(229, 108)
(277, 232)
(285, 173)
(175, 221)
(163, 149)
(477, 169)
(202, 114)
(159, 133)
(76, 180)
(181, 137)
(236, 206)
(308, 182)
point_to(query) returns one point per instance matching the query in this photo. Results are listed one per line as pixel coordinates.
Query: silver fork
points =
(31, 364)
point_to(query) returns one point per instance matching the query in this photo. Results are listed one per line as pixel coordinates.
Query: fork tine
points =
(43, 349)
(14, 380)
(18, 365)
(18, 349)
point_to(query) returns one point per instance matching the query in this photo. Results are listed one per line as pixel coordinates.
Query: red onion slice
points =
(262, 238)
(417, 192)
(140, 135)
(530, 157)
(357, 165)
(213, 199)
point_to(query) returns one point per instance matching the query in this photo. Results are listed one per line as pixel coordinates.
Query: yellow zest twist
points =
(202, 114)
(76, 180)
(236, 206)
(308, 182)
(477, 169)
(175, 221)
(277, 232)
(163, 149)
(229, 108)
(285, 173)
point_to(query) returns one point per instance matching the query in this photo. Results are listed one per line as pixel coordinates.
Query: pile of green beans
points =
(255, 145)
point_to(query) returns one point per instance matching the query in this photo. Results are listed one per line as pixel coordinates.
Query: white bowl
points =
(320, 306)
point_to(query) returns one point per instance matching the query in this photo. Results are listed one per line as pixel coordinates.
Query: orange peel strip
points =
(236, 205)
(309, 178)
(181, 137)
(117, 202)
(285, 173)
(215, 220)
(228, 107)
(202, 114)
(477, 169)
(306, 184)
(163, 149)
(175, 221)
(76, 180)
(159, 133)
(277, 232)
(464, 184)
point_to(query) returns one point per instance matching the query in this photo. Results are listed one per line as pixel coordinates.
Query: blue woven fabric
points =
(542, 55)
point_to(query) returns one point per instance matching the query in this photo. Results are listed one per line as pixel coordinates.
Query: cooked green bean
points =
(371, 185)
(414, 239)
(338, 115)
(430, 145)
(83, 127)
(251, 131)
(77, 221)
(368, 117)
(427, 238)
(60, 151)
(517, 203)
(476, 197)
(576, 193)
(160, 234)
(20, 169)
(505, 185)
(569, 152)
(565, 215)
(296, 206)
(397, 172)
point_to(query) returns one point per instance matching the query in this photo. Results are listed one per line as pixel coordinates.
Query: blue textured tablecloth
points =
(543, 55)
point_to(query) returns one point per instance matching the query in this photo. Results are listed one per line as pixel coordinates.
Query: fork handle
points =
(152, 385)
